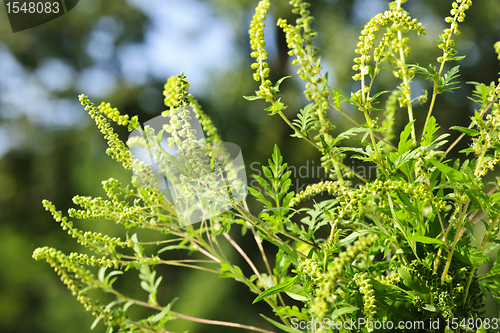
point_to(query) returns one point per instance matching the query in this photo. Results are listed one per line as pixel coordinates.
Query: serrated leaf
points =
(405, 143)
(277, 106)
(306, 121)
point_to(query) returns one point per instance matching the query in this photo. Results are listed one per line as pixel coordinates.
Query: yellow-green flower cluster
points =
(351, 200)
(489, 135)
(332, 187)
(299, 39)
(117, 149)
(180, 129)
(169, 92)
(119, 212)
(114, 190)
(176, 91)
(381, 188)
(365, 287)
(392, 278)
(81, 258)
(196, 177)
(310, 268)
(257, 44)
(95, 241)
(497, 49)
(205, 121)
(401, 22)
(70, 272)
(457, 15)
(326, 293)
(390, 110)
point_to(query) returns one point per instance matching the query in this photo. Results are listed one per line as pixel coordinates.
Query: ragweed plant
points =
(392, 250)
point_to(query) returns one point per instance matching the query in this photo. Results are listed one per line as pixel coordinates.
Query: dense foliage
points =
(401, 245)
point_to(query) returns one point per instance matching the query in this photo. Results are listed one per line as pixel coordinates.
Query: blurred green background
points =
(122, 52)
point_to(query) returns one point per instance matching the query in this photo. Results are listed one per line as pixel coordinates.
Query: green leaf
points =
(430, 129)
(173, 247)
(444, 83)
(281, 326)
(422, 99)
(425, 239)
(159, 136)
(101, 274)
(341, 311)
(259, 196)
(276, 289)
(127, 305)
(496, 146)
(94, 324)
(450, 172)
(163, 312)
(277, 85)
(478, 258)
(348, 134)
(306, 121)
(405, 144)
(113, 273)
(458, 58)
(430, 307)
(277, 106)
(468, 131)
(296, 297)
(380, 93)
(251, 98)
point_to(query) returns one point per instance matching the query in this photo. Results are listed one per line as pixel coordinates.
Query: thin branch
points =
(247, 259)
(186, 317)
(220, 323)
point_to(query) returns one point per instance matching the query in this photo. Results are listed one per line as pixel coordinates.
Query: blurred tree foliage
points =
(59, 162)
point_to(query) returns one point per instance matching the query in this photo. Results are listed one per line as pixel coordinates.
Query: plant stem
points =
(250, 218)
(308, 139)
(247, 259)
(393, 242)
(194, 319)
(406, 82)
(461, 219)
(483, 244)
(377, 154)
(435, 87)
